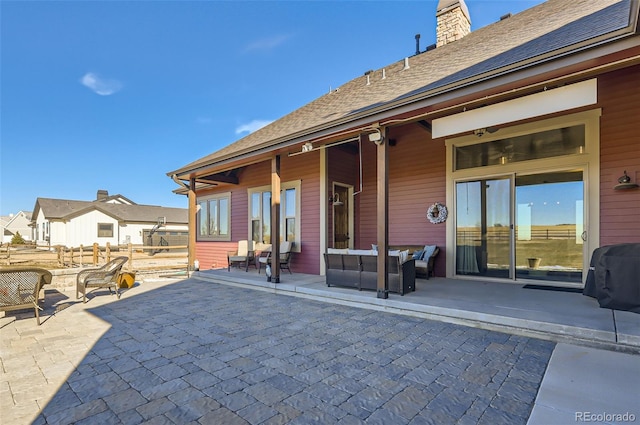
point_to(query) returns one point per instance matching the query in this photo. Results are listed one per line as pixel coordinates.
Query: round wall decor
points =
(437, 213)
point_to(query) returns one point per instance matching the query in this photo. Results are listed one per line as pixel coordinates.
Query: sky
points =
(113, 95)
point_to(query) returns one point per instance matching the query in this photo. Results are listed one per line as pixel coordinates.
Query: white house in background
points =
(14, 223)
(109, 219)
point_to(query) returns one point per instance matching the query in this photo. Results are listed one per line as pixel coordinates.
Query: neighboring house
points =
(109, 219)
(16, 223)
(521, 129)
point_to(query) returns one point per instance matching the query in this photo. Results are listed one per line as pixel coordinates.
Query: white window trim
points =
(293, 184)
(207, 198)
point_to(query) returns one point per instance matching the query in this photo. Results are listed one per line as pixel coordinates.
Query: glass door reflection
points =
(549, 226)
(483, 228)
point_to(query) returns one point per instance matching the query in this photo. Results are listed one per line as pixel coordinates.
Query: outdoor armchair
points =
(243, 256)
(102, 277)
(20, 288)
(285, 257)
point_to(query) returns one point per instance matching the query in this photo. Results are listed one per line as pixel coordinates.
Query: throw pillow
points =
(417, 255)
(428, 251)
(404, 255)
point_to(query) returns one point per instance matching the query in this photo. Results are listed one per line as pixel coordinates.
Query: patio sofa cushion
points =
(428, 251)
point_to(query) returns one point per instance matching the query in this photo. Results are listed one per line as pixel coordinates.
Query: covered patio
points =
(561, 315)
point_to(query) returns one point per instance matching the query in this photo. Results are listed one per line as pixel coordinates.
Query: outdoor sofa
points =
(359, 269)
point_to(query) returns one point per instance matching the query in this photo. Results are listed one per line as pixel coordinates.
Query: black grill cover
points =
(614, 277)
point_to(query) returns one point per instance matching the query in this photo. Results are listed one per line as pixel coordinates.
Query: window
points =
(260, 213)
(105, 230)
(542, 144)
(214, 217)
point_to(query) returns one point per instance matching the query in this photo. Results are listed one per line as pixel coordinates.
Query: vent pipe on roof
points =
(406, 64)
(417, 44)
(505, 16)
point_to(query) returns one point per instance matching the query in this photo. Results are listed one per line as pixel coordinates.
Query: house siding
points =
(417, 179)
(619, 151)
(303, 167)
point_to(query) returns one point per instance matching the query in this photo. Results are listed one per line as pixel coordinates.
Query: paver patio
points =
(200, 352)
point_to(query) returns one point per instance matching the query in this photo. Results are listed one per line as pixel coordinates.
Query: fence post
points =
(8, 254)
(130, 249)
(81, 254)
(95, 253)
(71, 251)
(108, 252)
(60, 256)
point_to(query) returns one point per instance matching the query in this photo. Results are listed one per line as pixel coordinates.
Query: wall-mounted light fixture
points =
(482, 131)
(376, 137)
(307, 147)
(624, 182)
(335, 200)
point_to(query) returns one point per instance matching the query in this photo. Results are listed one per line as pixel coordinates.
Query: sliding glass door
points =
(483, 228)
(550, 228)
(521, 227)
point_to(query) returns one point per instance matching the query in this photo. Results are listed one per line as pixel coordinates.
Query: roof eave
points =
(380, 113)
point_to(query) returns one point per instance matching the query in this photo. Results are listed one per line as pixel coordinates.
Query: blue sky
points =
(113, 94)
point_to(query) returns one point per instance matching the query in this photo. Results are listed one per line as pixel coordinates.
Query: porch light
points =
(335, 200)
(624, 182)
(307, 147)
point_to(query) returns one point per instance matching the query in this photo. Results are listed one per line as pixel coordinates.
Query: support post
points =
(130, 252)
(275, 219)
(193, 215)
(382, 208)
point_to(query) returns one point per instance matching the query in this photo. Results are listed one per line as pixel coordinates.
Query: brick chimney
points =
(102, 194)
(453, 21)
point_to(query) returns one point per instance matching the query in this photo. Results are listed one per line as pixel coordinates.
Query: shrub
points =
(18, 239)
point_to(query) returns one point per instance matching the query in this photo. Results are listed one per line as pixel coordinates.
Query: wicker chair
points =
(20, 288)
(102, 277)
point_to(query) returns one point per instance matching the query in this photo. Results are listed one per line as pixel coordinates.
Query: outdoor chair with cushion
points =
(285, 257)
(20, 288)
(102, 277)
(243, 256)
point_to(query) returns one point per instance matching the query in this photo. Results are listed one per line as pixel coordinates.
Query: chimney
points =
(102, 194)
(453, 21)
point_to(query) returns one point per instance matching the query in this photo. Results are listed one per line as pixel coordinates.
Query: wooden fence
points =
(141, 257)
(504, 233)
